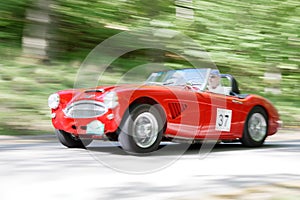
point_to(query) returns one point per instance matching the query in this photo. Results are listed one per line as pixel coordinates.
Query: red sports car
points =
(185, 105)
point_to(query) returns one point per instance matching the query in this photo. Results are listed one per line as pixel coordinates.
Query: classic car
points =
(173, 105)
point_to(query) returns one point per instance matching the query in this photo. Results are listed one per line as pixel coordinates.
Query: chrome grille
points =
(85, 109)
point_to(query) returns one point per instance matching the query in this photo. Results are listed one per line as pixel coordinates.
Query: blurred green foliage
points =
(244, 38)
(247, 34)
(12, 21)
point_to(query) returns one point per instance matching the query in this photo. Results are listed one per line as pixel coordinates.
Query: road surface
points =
(38, 167)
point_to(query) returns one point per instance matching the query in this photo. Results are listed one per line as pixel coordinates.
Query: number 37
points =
(223, 119)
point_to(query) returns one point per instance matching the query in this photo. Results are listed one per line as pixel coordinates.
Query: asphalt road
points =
(38, 167)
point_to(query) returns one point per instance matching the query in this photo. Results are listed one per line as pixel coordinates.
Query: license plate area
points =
(95, 128)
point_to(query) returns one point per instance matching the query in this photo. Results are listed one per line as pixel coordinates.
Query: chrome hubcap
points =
(257, 127)
(145, 130)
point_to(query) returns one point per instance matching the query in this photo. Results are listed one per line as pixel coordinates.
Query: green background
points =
(244, 38)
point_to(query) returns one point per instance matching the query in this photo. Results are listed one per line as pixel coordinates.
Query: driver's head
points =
(214, 78)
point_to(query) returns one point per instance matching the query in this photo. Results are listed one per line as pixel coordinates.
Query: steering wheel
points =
(193, 84)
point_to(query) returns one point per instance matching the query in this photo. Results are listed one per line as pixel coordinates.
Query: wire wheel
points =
(142, 129)
(145, 130)
(256, 128)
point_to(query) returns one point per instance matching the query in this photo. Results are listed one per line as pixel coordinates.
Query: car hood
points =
(99, 92)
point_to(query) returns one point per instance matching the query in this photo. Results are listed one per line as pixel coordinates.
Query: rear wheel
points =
(70, 141)
(142, 130)
(256, 128)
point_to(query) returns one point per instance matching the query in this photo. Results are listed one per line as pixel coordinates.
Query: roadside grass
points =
(15, 131)
(288, 107)
(24, 90)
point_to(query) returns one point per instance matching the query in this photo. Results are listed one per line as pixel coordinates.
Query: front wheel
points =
(256, 128)
(70, 141)
(142, 129)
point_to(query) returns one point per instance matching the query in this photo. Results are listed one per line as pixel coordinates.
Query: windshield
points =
(179, 77)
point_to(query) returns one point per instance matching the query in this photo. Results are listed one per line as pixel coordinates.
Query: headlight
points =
(111, 100)
(53, 101)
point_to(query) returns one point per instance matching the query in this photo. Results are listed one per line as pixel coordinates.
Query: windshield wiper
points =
(168, 83)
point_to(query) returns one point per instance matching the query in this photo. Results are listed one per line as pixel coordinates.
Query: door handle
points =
(237, 101)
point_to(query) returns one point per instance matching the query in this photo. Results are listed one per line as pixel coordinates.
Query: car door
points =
(222, 115)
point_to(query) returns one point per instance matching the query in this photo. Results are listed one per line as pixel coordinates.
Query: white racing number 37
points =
(223, 119)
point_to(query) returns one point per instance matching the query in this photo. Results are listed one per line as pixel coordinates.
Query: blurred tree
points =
(12, 21)
(35, 35)
(242, 37)
(89, 23)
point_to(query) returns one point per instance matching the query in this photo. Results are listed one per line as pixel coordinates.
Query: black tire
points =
(70, 141)
(256, 128)
(143, 120)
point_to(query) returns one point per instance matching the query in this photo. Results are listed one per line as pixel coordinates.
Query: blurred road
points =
(38, 167)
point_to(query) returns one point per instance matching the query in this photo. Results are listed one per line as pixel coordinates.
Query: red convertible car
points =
(185, 105)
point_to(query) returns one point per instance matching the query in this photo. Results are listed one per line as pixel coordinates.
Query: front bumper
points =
(280, 123)
(107, 123)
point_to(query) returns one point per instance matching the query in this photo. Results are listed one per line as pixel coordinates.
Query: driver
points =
(214, 82)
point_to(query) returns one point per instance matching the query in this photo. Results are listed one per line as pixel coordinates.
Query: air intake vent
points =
(176, 109)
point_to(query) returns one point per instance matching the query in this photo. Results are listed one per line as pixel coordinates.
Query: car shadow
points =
(175, 149)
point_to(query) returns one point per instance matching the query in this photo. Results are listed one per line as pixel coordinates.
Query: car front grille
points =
(85, 109)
